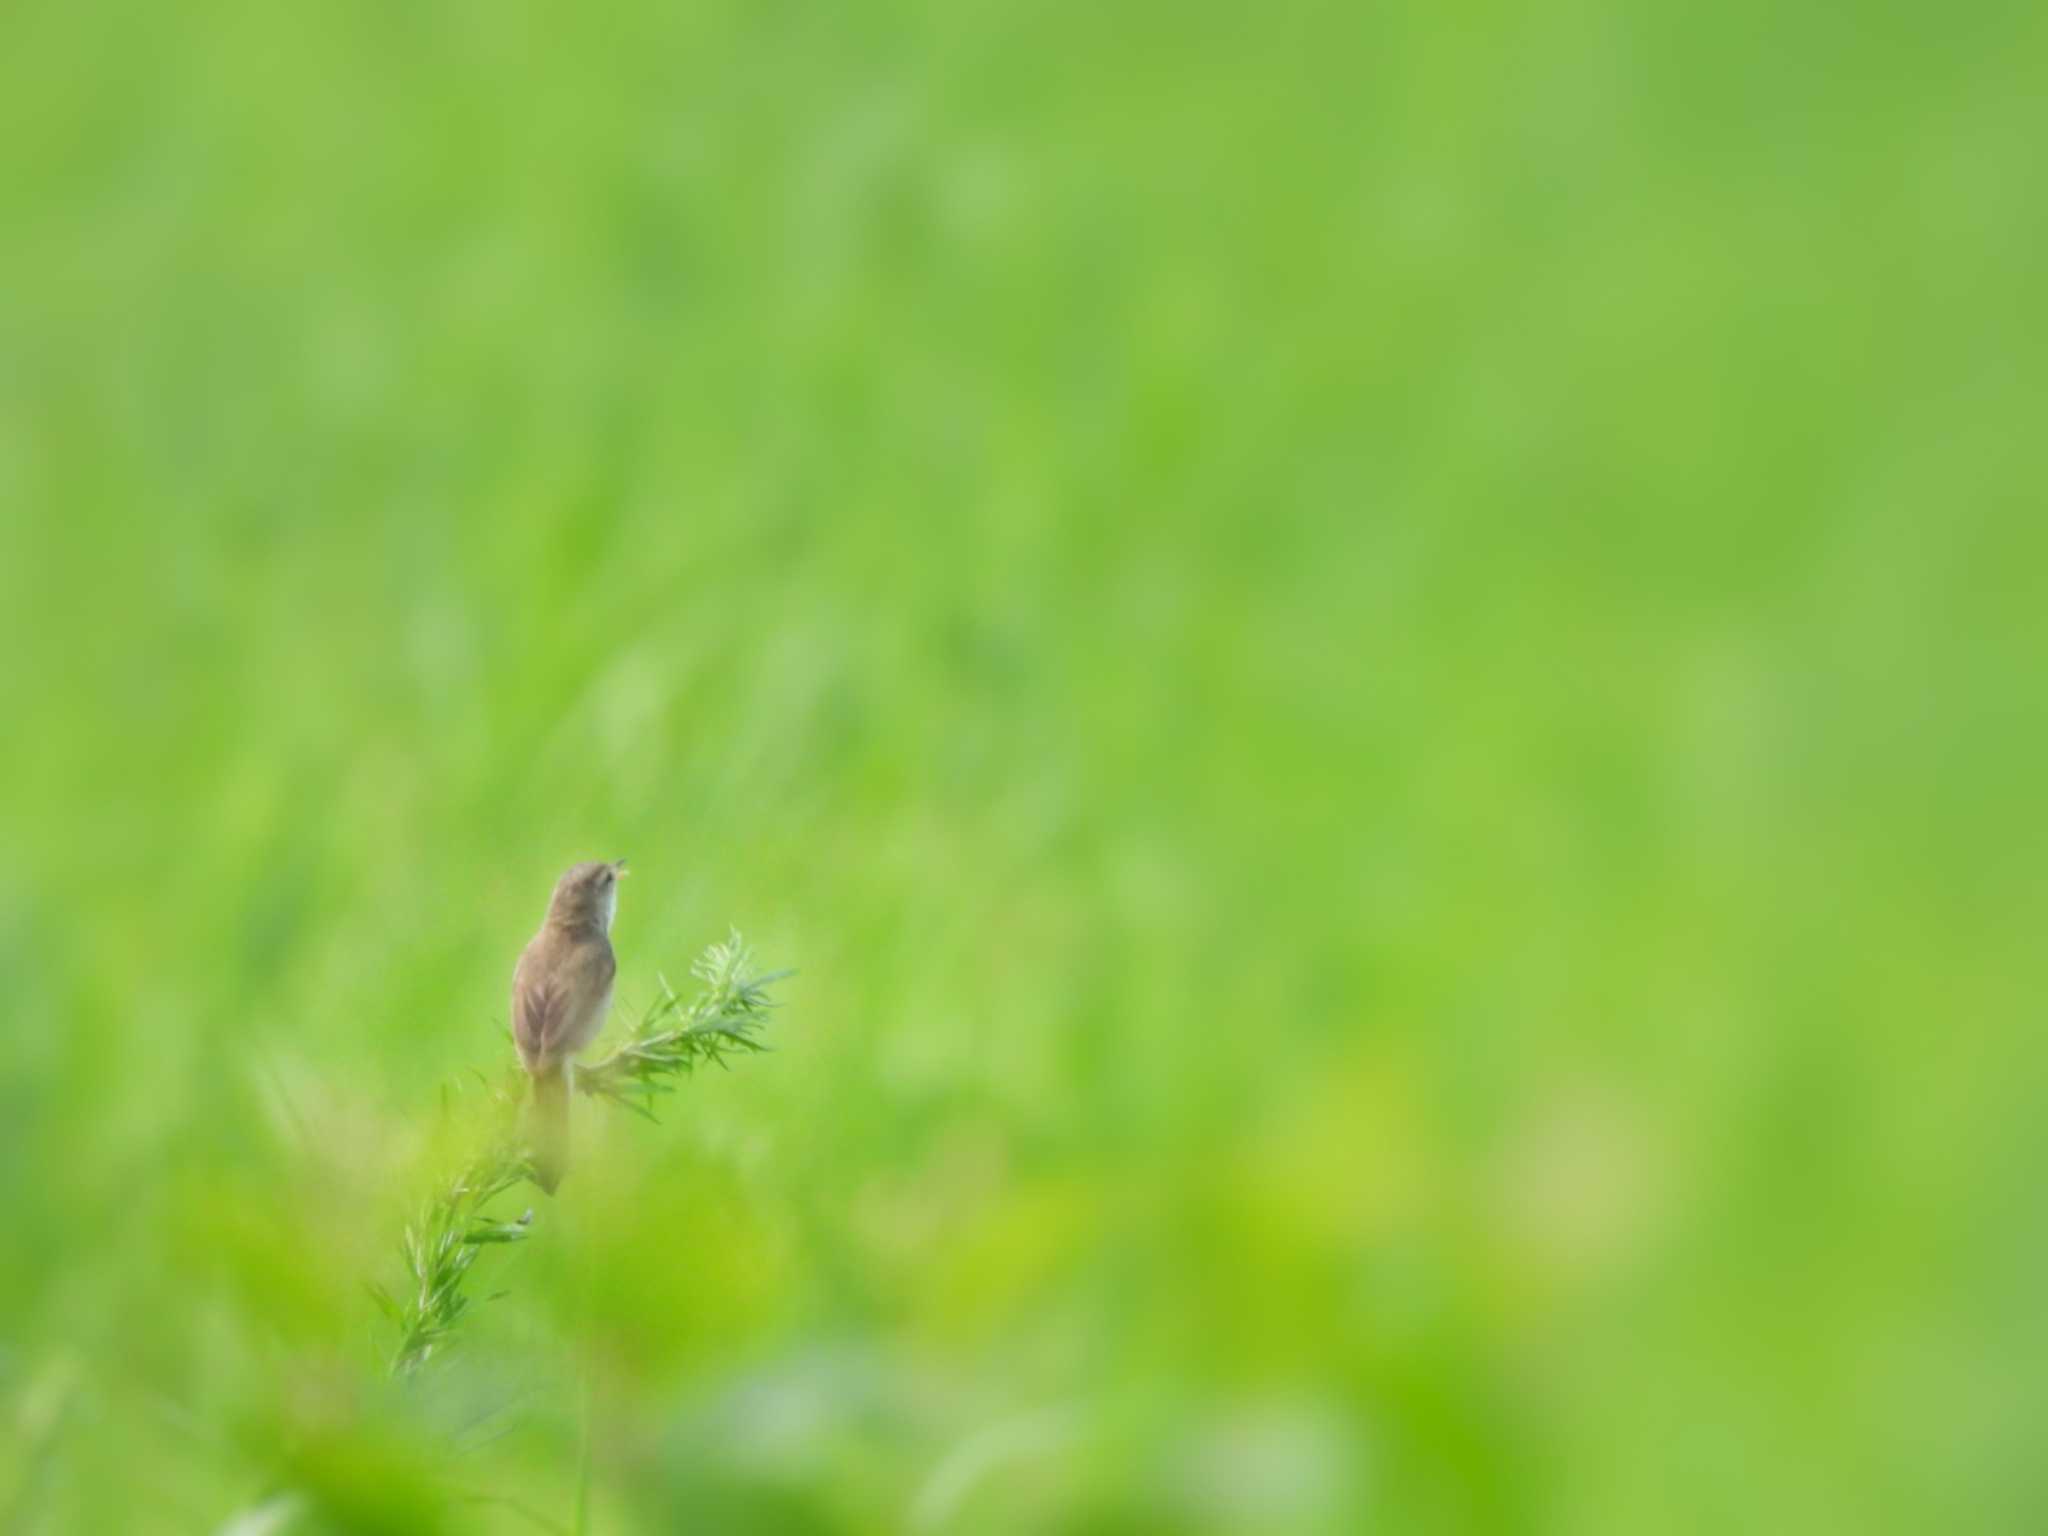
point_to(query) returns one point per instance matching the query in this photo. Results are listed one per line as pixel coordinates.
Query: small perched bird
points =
(560, 991)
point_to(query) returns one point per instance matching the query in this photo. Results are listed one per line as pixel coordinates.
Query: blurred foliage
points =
(1382, 663)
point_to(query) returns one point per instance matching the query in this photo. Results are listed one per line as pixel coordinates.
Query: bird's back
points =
(560, 990)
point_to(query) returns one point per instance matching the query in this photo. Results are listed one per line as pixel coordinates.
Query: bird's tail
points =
(550, 1127)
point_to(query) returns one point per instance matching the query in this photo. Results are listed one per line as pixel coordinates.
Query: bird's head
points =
(587, 895)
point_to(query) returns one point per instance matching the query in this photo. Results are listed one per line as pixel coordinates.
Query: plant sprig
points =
(452, 1227)
(672, 1040)
(441, 1243)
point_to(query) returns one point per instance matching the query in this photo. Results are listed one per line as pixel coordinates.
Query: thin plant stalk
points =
(454, 1226)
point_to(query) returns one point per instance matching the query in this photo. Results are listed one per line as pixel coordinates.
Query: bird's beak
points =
(619, 868)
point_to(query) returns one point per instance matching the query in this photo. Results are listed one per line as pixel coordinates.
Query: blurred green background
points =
(1384, 666)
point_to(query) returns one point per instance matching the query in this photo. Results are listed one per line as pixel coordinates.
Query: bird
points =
(560, 991)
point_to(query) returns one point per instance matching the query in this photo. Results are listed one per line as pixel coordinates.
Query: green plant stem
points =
(453, 1226)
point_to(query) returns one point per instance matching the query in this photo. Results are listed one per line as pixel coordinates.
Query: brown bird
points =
(560, 991)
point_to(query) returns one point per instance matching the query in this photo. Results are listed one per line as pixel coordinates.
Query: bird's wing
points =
(553, 996)
(538, 1007)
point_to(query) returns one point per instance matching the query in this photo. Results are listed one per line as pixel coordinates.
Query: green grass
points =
(1382, 668)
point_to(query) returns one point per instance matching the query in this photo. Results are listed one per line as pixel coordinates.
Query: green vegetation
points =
(674, 1038)
(1382, 666)
(454, 1227)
